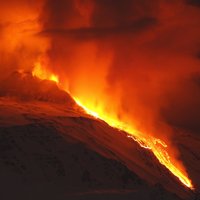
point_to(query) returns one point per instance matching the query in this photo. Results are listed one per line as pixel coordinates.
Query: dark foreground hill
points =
(50, 149)
(37, 162)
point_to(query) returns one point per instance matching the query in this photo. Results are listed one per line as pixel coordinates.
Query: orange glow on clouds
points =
(43, 74)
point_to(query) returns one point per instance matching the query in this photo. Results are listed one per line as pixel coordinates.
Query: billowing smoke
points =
(19, 24)
(137, 60)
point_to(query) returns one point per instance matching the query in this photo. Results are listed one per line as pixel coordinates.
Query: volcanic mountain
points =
(52, 149)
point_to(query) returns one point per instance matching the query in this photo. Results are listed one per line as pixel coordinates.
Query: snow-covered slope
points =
(37, 162)
(52, 150)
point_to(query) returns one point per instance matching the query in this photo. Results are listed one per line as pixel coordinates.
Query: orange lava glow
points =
(43, 74)
(157, 146)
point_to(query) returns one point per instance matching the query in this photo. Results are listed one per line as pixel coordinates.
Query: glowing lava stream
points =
(157, 146)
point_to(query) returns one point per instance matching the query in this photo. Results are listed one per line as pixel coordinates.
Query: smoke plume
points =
(19, 24)
(136, 60)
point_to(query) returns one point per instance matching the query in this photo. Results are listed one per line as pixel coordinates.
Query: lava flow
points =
(157, 146)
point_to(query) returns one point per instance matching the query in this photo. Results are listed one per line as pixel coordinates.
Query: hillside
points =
(52, 150)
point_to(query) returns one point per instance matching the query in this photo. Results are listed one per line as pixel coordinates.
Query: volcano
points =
(52, 149)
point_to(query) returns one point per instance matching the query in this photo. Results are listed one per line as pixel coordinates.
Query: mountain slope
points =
(38, 163)
(51, 149)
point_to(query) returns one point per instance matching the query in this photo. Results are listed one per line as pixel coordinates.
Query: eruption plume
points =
(123, 61)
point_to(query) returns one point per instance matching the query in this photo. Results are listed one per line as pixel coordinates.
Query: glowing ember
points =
(94, 114)
(43, 74)
(157, 146)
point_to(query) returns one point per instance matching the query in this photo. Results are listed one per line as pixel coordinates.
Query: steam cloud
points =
(139, 57)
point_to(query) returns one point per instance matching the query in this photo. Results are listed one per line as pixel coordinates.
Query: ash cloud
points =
(108, 18)
(18, 24)
(193, 2)
(138, 57)
(84, 33)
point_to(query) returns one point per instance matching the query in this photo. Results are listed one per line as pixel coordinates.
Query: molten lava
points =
(41, 73)
(157, 146)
